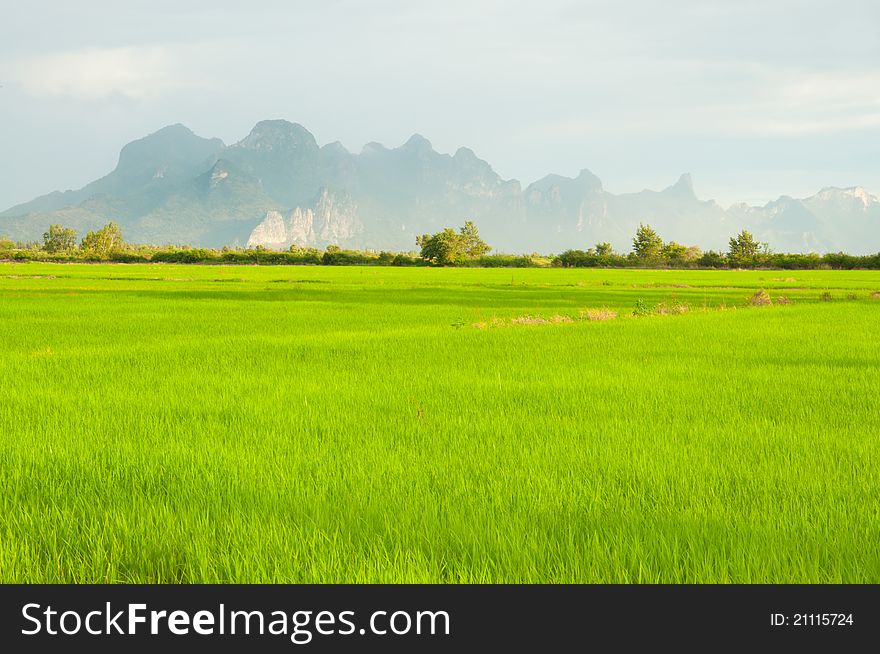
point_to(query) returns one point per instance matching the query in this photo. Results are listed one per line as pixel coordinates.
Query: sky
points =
(755, 99)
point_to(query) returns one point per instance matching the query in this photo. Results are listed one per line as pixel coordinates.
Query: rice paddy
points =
(163, 423)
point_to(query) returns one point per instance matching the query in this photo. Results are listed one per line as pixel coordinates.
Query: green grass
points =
(167, 423)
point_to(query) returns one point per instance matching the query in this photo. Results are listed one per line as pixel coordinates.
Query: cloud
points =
(99, 73)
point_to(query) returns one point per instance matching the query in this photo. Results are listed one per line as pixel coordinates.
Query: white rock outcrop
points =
(330, 220)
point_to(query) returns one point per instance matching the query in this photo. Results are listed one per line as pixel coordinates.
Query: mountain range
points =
(277, 187)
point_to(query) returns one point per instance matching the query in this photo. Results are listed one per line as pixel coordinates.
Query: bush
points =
(581, 259)
(6, 247)
(337, 257)
(185, 256)
(406, 260)
(642, 308)
(500, 261)
(128, 257)
(712, 259)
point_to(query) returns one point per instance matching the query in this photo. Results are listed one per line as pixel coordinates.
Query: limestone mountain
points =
(278, 187)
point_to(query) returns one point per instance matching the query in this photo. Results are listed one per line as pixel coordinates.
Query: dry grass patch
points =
(486, 324)
(673, 308)
(875, 295)
(760, 299)
(527, 319)
(783, 300)
(598, 314)
(538, 320)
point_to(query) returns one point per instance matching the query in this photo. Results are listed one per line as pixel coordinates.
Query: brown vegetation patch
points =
(760, 299)
(598, 314)
(538, 320)
(875, 295)
(673, 308)
(783, 300)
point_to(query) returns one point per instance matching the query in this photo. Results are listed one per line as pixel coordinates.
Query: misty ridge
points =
(277, 187)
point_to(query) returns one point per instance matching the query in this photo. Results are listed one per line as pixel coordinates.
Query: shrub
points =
(185, 256)
(404, 260)
(128, 257)
(501, 261)
(711, 259)
(642, 308)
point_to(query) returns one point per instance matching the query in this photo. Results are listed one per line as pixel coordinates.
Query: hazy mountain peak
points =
(175, 130)
(418, 143)
(166, 146)
(684, 185)
(842, 194)
(335, 147)
(589, 180)
(268, 135)
(373, 147)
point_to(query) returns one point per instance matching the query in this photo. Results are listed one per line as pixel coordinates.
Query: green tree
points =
(472, 245)
(449, 247)
(647, 244)
(692, 253)
(444, 248)
(105, 241)
(673, 251)
(604, 249)
(59, 239)
(743, 249)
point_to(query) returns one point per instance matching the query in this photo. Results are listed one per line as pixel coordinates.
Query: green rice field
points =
(173, 423)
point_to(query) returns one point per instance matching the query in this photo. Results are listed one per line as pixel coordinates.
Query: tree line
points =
(448, 247)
